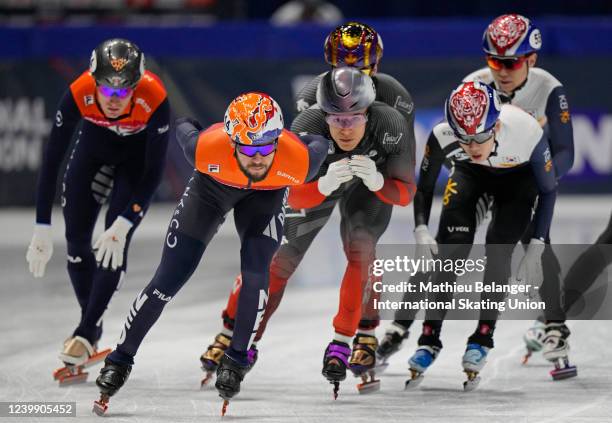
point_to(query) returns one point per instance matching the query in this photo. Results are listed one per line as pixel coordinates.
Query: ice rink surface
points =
(286, 385)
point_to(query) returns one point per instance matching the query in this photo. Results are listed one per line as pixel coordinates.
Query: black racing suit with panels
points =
(389, 91)
(365, 215)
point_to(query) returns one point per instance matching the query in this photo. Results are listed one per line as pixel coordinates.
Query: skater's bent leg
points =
(299, 232)
(359, 250)
(229, 312)
(431, 333)
(584, 272)
(107, 281)
(550, 291)
(483, 335)
(364, 219)
(177, 265)
(284, 263)
(80, 210)
(259, 221)
(255, 255)
(81, 267)
(370, 317)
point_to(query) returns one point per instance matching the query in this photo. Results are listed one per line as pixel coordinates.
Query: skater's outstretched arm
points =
(66, 119)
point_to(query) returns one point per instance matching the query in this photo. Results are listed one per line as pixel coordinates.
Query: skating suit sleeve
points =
(307, 95)
(544, 171)
(431, 164)
(560, 131)
(308, 123)
(317, 152)
(186, 132)
(155, 159)
(396, 137)
(66, 119)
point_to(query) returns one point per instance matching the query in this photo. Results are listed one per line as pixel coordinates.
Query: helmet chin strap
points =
(507, 98)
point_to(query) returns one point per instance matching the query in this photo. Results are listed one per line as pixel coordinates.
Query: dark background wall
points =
(205, 66)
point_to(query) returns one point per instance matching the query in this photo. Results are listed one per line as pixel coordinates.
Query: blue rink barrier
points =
(38, 64)
(260, 40)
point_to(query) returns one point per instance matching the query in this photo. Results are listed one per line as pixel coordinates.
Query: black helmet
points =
(117, 63)
(345, 90)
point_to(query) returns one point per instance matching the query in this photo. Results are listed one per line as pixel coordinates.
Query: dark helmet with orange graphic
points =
(117, 63)
(354, 44)
(253, 118)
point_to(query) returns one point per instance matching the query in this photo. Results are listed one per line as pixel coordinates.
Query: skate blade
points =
(91, 361)
(73, 379)
(413, 382)
(99, 408)
(96, 358)
(526, 357)
(565, 373)
(471, 384)
(369, 387)
(61, 373)
(206, 380)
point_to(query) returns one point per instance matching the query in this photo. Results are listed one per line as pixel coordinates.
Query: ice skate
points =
(211, 358)
(111, 379)
(229, 376)
(556, 349)
(534, 339)
(390, 344)
(474, 359)
(363, 361)
(77, 355)
(335, 362)
(420, 361)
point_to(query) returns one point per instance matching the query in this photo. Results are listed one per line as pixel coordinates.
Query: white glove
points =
(40, 250)
(337, 173)
(111, 243)
(530, 268)
(365, 168)
(426, 246)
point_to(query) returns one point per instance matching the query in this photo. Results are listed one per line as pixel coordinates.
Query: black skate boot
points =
(111, 379)
(212, 356)
(390, 344)
(556, 349)
(335, 362)
(363, 361)
(229, 375)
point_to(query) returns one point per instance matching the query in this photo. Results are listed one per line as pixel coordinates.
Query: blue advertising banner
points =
(30, 90)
